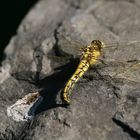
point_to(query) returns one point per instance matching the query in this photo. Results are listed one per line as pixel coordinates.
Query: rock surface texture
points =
(105, 103)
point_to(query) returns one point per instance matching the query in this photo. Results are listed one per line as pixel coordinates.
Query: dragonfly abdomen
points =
(81, 69)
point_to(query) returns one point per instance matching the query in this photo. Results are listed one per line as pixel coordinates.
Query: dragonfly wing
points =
(70, 46)
(129, 71)
(122, 52)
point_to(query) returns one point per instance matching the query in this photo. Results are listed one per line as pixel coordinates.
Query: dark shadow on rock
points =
(134, 134)
(52, 85)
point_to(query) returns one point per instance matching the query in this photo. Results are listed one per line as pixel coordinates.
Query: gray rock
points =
(43, 55)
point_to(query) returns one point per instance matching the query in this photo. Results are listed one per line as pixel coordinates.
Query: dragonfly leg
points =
(91, 74)
(88, 77)
(101, 62)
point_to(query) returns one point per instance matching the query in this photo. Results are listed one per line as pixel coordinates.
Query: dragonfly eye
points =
(93, 42)
(98, 44)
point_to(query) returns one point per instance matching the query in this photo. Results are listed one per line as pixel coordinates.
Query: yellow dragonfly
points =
(124, 53)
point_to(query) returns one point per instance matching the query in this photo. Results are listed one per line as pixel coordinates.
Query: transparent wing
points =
(122, 51)
(70, 45)
(118, 44)
(121, 70)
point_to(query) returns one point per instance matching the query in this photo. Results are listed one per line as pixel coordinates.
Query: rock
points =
(23, 109)
(44, 54)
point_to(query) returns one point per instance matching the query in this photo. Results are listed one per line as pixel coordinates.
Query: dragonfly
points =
(88, 58)
(91, 55)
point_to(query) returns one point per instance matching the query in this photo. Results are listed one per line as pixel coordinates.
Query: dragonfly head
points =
(97, 44)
